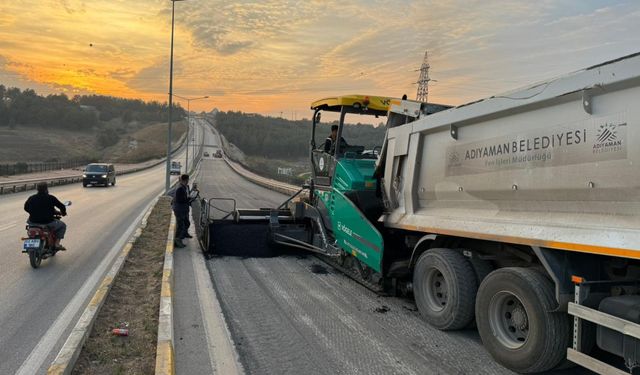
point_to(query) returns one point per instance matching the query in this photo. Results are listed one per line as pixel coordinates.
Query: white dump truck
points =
(538, 191)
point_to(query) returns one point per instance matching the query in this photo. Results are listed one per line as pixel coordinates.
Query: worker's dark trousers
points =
(182, 223)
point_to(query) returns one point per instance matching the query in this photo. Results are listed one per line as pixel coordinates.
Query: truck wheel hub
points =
(520, 318)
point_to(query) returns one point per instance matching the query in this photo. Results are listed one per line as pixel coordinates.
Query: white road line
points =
(8, 226)
(222, 353)
(58, 329)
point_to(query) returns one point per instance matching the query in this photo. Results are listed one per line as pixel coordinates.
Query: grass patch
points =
(134, 298)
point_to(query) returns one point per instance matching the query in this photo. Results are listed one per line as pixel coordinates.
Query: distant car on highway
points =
(99, 174)
(206, 154)
(176, 168)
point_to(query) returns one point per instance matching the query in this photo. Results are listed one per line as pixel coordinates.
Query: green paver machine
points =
(335, 214)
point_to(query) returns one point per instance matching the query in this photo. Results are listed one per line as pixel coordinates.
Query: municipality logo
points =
(608, 138)
(607, 133)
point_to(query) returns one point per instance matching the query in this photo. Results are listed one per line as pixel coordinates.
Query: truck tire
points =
(444, 287)
(517, 323)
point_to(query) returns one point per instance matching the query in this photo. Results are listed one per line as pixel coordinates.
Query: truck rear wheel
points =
(444, 287)
(517, 323)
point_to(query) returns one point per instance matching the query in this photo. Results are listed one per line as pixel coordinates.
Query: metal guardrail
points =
(278, 186)
(30, 184)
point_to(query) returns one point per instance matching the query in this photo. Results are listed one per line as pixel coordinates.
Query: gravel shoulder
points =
(135, 299)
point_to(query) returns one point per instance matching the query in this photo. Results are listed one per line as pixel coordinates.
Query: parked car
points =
(99, 174)
(176, 168)
(206, 154)
(219, 154)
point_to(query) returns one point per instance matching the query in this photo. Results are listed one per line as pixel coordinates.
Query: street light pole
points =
(186, 158)
(186, 162)
(167, 183)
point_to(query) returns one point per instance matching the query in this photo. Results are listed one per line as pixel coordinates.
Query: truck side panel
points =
(538, 170)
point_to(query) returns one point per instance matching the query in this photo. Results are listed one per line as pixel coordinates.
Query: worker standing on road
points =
(42, 208)
(330, 142)
(181, 204)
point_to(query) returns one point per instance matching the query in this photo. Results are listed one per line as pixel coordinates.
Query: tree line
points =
(81, 112)
(278, 138)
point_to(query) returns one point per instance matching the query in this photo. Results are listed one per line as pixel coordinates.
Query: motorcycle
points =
(40, 241)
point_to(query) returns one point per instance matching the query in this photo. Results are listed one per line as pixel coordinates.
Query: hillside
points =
(137, 142)
(56, 128)
(277, 138)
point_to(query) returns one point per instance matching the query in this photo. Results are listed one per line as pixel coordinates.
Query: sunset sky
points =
(277, 56)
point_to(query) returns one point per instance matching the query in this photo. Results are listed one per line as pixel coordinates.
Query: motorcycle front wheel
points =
(35, 258)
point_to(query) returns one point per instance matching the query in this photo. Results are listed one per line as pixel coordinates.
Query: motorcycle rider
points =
(42, 208)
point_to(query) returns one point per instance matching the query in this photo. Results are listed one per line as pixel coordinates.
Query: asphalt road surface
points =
(39, 307)
(293, 314)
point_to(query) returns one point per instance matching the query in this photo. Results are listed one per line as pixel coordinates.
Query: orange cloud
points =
(273, 56)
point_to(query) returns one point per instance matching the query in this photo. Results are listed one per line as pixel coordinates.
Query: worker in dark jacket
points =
(330, 142)
(42, 208)
(181, 205)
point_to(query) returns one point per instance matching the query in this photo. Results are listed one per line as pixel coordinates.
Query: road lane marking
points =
(41, 351)
(7, 226)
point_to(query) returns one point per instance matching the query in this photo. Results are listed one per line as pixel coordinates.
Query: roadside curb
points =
(68, 354)
(165, 361)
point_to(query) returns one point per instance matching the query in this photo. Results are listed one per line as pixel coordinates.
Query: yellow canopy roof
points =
(356, 103)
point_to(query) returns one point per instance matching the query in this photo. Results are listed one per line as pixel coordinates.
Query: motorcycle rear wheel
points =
(35, 258)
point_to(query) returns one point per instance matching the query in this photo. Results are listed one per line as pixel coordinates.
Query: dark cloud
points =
(217, 37)
(230, 48)
(72, 6)
(153, 78)
(230, 28)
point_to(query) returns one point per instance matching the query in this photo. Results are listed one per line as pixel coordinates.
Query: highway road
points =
(39, 307)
